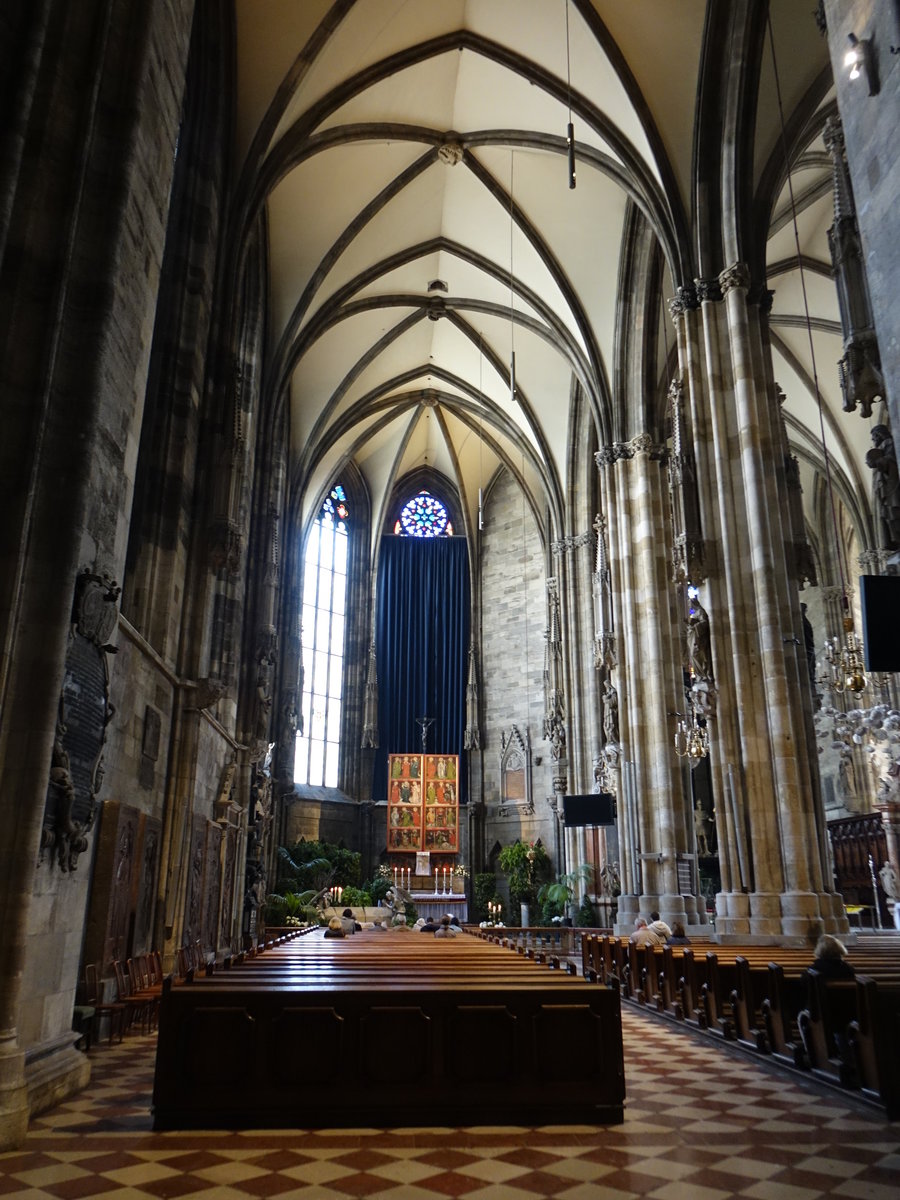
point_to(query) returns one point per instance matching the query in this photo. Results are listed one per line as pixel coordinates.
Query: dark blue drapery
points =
(421, 645)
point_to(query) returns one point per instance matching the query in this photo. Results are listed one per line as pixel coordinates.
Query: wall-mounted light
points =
(858, 59)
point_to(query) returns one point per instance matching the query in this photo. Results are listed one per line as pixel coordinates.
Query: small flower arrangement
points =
(461, 871)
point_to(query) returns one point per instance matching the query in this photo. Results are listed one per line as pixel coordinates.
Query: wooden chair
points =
(137, 1006)
(140, 986)
(112, 1010)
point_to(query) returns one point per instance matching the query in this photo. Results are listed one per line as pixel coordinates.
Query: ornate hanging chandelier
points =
(691, 738)
(844, 660)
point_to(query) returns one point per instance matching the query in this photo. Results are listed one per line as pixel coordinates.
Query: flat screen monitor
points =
(879, 598)
(597, 809)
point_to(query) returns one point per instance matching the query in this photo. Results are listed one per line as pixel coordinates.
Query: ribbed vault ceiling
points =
(395, 143)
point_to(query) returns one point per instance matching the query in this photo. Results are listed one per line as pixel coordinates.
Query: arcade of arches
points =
(615, 284)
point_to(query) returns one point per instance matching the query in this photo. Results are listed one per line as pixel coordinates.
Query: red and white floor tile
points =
(701, 1124)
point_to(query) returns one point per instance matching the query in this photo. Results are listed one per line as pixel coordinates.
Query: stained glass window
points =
(424, 516)
(322, 622)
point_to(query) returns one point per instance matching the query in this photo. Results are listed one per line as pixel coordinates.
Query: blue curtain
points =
(421, 644)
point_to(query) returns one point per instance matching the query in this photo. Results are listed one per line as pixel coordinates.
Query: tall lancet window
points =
(323, 621)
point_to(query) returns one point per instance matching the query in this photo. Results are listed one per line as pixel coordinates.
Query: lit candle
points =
(395, 876)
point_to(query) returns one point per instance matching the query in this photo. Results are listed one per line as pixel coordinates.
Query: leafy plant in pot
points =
(556, 898)
(526, 867)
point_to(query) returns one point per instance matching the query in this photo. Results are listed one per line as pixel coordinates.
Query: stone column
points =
(770, 823)
(652, 826)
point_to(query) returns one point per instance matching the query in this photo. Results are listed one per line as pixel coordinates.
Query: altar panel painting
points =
(423, 803)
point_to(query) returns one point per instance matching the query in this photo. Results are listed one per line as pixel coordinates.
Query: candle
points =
(395, 876)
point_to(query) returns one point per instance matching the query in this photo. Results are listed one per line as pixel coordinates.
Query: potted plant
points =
(557, 897)
(526, 867)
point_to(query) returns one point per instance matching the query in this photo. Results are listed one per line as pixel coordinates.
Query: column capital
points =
(685, 299)
(708, 290)
(737, 275)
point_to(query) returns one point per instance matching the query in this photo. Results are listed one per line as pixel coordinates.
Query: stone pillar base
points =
(625, 915)
(55, 1071)
(732, 913)
(765, 913)
(14, 1109)
(672, 908)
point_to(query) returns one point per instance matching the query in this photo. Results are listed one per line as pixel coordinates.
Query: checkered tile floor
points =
(701, 1124)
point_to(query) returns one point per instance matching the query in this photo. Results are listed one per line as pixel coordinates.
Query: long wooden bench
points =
(449, 1031)
(848, 1033)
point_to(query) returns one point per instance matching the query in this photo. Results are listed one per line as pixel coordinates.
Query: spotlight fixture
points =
(858, 59)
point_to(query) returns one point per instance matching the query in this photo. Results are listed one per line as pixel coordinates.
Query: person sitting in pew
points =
(643, 936)
(335, 928)
(660, 928)
(678, 936)
(350, 923)
(428, 926)
(831, 959)
(445, 929)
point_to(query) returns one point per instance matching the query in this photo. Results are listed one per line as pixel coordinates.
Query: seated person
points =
(378, 926)
(831, 959)
(335, 928)
(445, 929)
(350, 923)
(678, 937)
(428, 926)
(399, 925)
(660, 928)
(454, 921)
(643, 936)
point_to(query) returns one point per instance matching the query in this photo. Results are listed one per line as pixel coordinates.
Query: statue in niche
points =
(697, 626)
(883, 461)
(610, 713)
(809, 644)
(702, 823)
(264, 673)
(846, 786)
(889, 881)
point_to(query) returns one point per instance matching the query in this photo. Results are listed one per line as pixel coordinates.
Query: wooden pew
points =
(874, 1038)
(450, 1029)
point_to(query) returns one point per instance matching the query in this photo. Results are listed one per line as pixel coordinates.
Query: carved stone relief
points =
(515, 774)
(76, 765)
(212, 880)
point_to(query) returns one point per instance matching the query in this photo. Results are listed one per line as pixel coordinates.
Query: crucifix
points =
(425, 724)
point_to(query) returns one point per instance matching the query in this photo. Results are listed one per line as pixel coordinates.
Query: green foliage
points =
(378, 887)
(556, 897)
(526, 867)
(315, 865)
(287, 908)
(484, 891)
(586, 918)
(354, 897)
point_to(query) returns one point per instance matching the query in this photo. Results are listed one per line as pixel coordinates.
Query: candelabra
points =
(844, 659)
(691, 738)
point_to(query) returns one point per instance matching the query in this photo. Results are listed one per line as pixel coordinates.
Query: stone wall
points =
(514, 620)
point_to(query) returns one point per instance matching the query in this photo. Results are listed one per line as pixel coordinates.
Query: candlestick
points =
(395, 876)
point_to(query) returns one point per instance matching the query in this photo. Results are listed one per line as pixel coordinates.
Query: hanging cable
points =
(570, 128)
(848, 657)
(812, 353)
(512, 305)
(480, 435)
